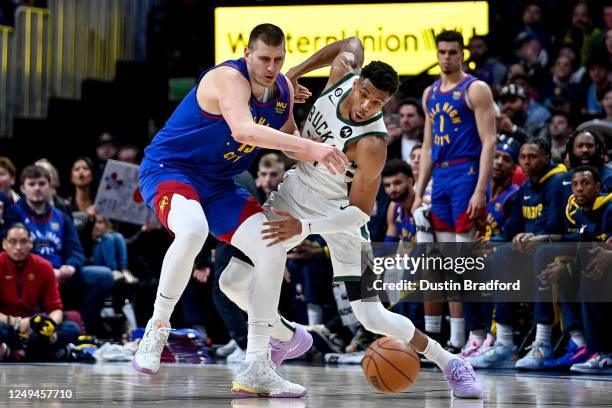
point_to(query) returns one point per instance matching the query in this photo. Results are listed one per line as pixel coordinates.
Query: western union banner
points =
(401, 35)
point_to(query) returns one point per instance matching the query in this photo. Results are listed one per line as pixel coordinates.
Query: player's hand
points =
(476, 205)
(551, 274)
(281, 230)
(520, 240)
(601, 260)
(332, 158)
(301, 93)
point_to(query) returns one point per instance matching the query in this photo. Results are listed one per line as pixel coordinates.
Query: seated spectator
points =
(557, 132)
(129, 154)
(536, 112)
(55, 239)
(513, 119)
(532, 57)
(583, 31)
(269, 175)
(110, 250)
(31, 314)
(106, 149)
(485, 67)
(532, 23)
(411, 121)
(82, 201)
(56, 200)
(592, 105)
(7, 178)
(560, 83)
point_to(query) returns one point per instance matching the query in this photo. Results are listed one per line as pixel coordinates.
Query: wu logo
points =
(345, 132)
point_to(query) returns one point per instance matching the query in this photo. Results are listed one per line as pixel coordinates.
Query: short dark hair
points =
(269, 34)
(542, 143)
(414, 102)
(17, 225)
(396, 166)
(593, 170)
(34, 172)
(418, 145)
(382, 76)
(450, 36)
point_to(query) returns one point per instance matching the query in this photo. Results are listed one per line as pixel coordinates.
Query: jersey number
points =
(244, 148)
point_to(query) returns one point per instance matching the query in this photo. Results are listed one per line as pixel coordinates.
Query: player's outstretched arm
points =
(481, 98)
(371, 155)
(425, 165)
(343, 56)
(234, 93)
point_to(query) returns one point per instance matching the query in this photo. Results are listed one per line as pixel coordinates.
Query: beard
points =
(400, 197)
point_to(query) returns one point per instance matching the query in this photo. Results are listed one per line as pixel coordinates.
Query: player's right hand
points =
(332, 158)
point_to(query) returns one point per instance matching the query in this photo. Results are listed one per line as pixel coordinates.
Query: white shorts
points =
(302, 202)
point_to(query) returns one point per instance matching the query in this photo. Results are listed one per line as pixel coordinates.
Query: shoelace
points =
(463, 372)
(156, 342)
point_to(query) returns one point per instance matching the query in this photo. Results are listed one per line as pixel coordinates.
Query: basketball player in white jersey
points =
(311, 200)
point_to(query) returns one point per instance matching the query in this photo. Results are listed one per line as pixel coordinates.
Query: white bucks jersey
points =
(324, 123)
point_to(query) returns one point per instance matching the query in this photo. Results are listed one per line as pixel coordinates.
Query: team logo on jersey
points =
(345, 132)
(497, 206)
(457, 95)
(281, 107)
(472, 171)
(55, 226)
(338, 92)
(162, 204)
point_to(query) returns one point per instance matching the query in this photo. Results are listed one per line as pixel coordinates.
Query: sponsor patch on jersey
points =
(281, 107)
(338, 92)
(345, 132)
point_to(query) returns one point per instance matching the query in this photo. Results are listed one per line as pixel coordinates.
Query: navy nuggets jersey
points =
(198, 141)
(588, 226)
(406, 227)
(454, 132)
(497, 212)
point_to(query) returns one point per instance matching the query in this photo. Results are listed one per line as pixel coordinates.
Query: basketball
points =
(391, 365)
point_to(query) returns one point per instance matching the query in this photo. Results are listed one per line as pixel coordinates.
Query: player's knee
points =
(368, 314)
(233, 279)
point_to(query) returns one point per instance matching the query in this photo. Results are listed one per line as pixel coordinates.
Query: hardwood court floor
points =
(117, 384)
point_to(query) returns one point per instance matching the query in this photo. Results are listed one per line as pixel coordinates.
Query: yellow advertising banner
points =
(401, 35)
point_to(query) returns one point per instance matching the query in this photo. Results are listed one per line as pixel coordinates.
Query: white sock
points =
(265, 285)
(235, 283)
(187, 221)
(434, 352)
(543, 334)
(578, 337)
(433, 324)
(477, 336)
(505, 335)
(457, 337)
(283, 329)
(315, 313)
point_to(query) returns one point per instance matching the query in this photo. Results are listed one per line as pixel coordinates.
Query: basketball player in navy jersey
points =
(458, 148)
(186, 177)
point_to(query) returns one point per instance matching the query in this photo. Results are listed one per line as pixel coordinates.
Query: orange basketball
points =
(391, 365)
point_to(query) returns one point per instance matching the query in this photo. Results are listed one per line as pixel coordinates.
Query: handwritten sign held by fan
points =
(118, 195)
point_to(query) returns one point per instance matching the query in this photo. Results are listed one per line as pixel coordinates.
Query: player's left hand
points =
(476, 205)
(551, 274)
(600, 262)
(281, 230)
(301, 93)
